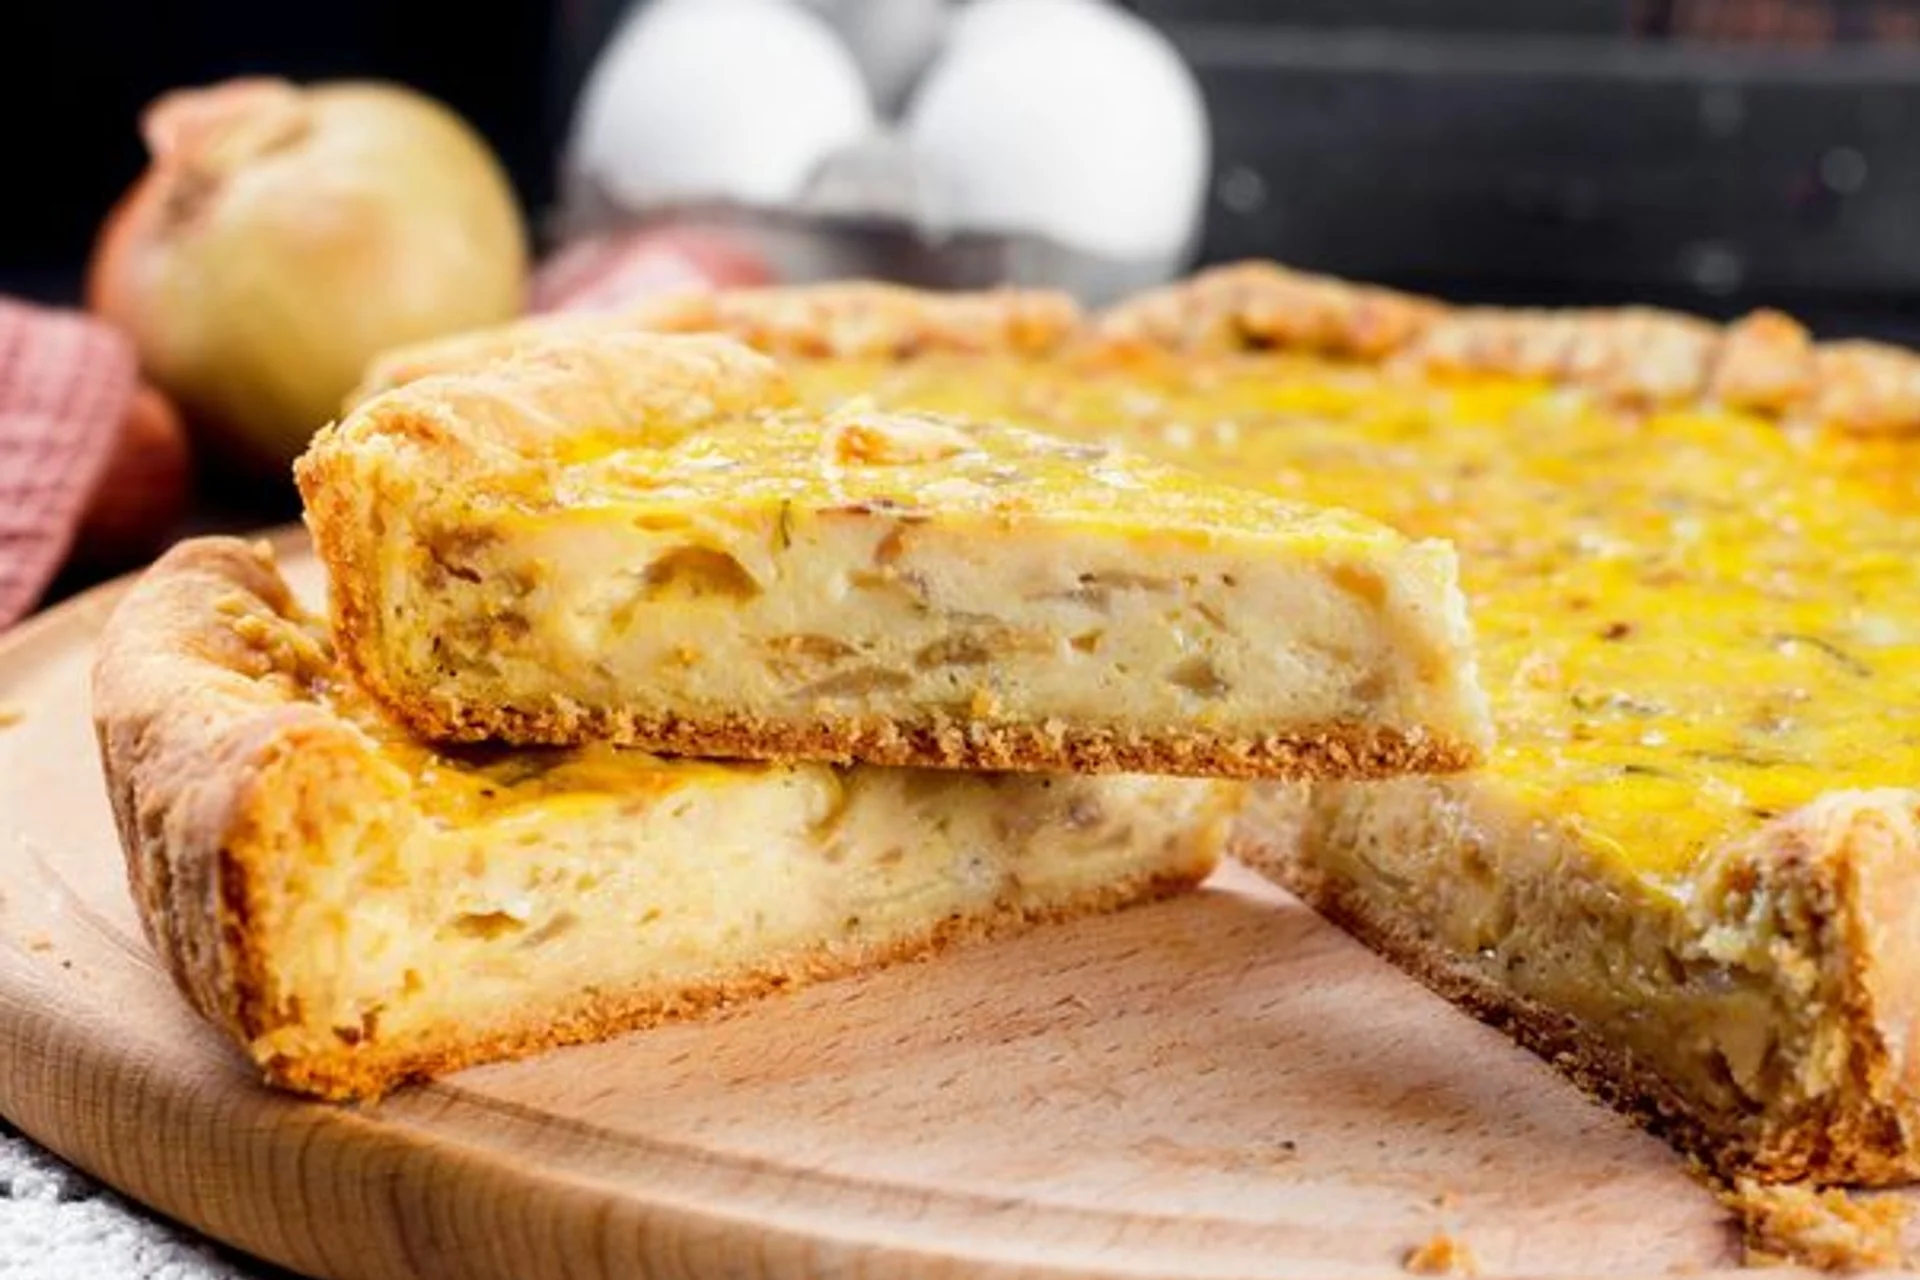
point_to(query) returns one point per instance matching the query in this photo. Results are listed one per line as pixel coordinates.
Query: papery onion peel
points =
(283, 236)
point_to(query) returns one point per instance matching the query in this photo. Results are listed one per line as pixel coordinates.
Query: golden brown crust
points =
(502, 413)
(1261, 305)
(861, 319)
(852, 319)
(348, 1075)
(1333, 751)
(1832, 1230)
(1827, 897)
(1844, 873)
(1869, 387)
(1763, 363)
(1633, 356)
(194, 707)
(470, 350)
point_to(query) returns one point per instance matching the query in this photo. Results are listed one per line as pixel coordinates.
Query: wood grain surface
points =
(1221, 1085)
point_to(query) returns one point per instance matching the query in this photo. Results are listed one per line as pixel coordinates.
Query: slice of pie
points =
(639, 538)
(355, 908)
(1688, 873)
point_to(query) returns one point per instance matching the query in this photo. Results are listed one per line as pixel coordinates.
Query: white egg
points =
(729, 99)
(1069, 118)
(998, 20)
(892, 40)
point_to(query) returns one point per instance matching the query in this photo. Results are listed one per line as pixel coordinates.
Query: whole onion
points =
(283, 236)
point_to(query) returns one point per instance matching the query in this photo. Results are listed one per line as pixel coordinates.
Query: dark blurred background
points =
(1710, 154)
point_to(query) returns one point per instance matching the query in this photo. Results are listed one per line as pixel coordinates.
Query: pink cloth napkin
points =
(66, 382)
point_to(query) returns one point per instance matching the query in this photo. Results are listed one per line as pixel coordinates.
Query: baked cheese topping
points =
(887, 552)
(900, 462)
(1689, 622)
(462, 786)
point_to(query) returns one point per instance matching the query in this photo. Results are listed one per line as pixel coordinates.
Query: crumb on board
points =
(11, 713)
(1440, 1255)
(1832, 1230)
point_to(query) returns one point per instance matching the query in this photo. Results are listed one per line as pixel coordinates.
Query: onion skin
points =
(142, 496)
(284, 236)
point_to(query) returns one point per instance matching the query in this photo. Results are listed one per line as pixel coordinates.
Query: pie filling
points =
(451, 896)
(1722, 998)
(910, 567)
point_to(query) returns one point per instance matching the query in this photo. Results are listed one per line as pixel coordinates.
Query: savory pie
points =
(639, 538)
(1690, 871)
(355, 908)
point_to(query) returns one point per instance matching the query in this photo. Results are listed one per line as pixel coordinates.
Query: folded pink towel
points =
(66, 382)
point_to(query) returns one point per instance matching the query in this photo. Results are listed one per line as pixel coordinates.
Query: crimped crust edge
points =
(1635, 357)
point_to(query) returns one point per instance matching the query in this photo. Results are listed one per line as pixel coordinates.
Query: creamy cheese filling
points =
(493, 890)
(1514, 902)
(809, 614)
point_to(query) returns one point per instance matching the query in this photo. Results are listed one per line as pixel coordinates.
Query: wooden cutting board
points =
(1221, 1085)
